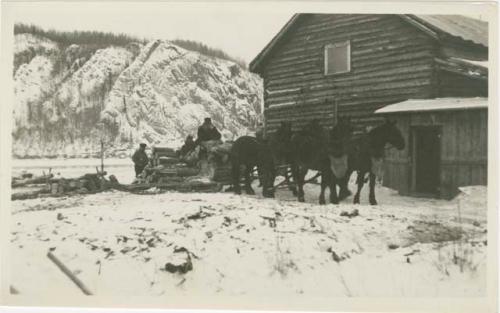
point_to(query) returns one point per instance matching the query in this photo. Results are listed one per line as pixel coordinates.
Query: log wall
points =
(391, 61)
(457, 85)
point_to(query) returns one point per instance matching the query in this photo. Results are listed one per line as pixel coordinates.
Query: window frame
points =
(334, 45)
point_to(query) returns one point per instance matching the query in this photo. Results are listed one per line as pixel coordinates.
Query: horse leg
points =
(235, 173)
(268, 187)
(259, 174)
(291, 185)
(248, 181)
(343, 183)
(299, 181)
(360, 181)
(333, 190)
(373, 201)
(324, 184)
(302, 177)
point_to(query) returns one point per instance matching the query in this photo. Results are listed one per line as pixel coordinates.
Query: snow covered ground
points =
(119, 244)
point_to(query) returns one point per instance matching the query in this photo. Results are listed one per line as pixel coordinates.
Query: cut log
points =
(168, 160)
(28, 194)
(35, 180)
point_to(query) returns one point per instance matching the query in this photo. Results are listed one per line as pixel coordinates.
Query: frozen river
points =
(123, 169)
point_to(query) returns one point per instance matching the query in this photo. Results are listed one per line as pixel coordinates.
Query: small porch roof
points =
(438, 104)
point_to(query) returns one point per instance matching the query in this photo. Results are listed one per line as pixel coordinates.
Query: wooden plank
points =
(69, 273)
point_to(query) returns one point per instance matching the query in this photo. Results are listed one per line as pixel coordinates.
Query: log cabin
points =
(321, 66)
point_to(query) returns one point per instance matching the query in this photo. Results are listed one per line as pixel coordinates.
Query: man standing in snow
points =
(140, 159)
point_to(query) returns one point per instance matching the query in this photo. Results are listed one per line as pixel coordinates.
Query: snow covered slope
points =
(68, 97)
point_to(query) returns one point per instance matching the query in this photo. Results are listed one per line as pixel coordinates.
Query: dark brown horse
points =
(366, 155)
(313, 149)
(251, 153)
(279, 143)
(265, 154)
(338, 143)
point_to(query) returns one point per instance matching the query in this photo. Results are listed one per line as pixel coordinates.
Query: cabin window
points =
(338, 58)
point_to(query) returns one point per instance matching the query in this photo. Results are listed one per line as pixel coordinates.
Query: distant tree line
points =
(206, 50)
(77, 37)
(101, 39)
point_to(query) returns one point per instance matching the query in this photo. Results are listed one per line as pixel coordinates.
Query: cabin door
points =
(427, 159)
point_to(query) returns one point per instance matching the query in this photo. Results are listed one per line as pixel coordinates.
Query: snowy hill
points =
(69, 96)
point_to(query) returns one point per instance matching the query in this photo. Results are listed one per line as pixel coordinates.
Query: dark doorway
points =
(427, 155)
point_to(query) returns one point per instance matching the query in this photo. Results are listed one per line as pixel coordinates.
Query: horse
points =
(248, 151)
(279, 143)
(366, 155)
(265, 153)
(337, 151)
(313, 147)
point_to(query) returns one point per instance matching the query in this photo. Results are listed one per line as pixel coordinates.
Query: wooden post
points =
(102, 155)
(68, 273)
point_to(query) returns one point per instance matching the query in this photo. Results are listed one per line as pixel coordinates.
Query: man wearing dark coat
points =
(140, 159)
(188, 146)
(207, 132)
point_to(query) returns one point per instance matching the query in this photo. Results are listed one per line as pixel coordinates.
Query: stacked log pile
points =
(28, 186)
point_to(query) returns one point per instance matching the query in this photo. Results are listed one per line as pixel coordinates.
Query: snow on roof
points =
(459, 26)
(439, 104)
(477, 63)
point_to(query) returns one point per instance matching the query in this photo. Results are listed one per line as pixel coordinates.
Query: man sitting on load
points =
(208, 140)
(188, 146)
(207, 132)
(208, 137)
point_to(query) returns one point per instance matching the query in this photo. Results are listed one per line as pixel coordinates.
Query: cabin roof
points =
(438, 104)
(456, 26)
(460, 26)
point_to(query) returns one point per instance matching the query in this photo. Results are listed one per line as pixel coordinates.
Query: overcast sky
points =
(241, 31)
(240, 35)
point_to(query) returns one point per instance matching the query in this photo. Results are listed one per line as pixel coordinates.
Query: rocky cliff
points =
(69, 97)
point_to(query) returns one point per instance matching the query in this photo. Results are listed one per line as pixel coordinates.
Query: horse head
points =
(392, 134)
